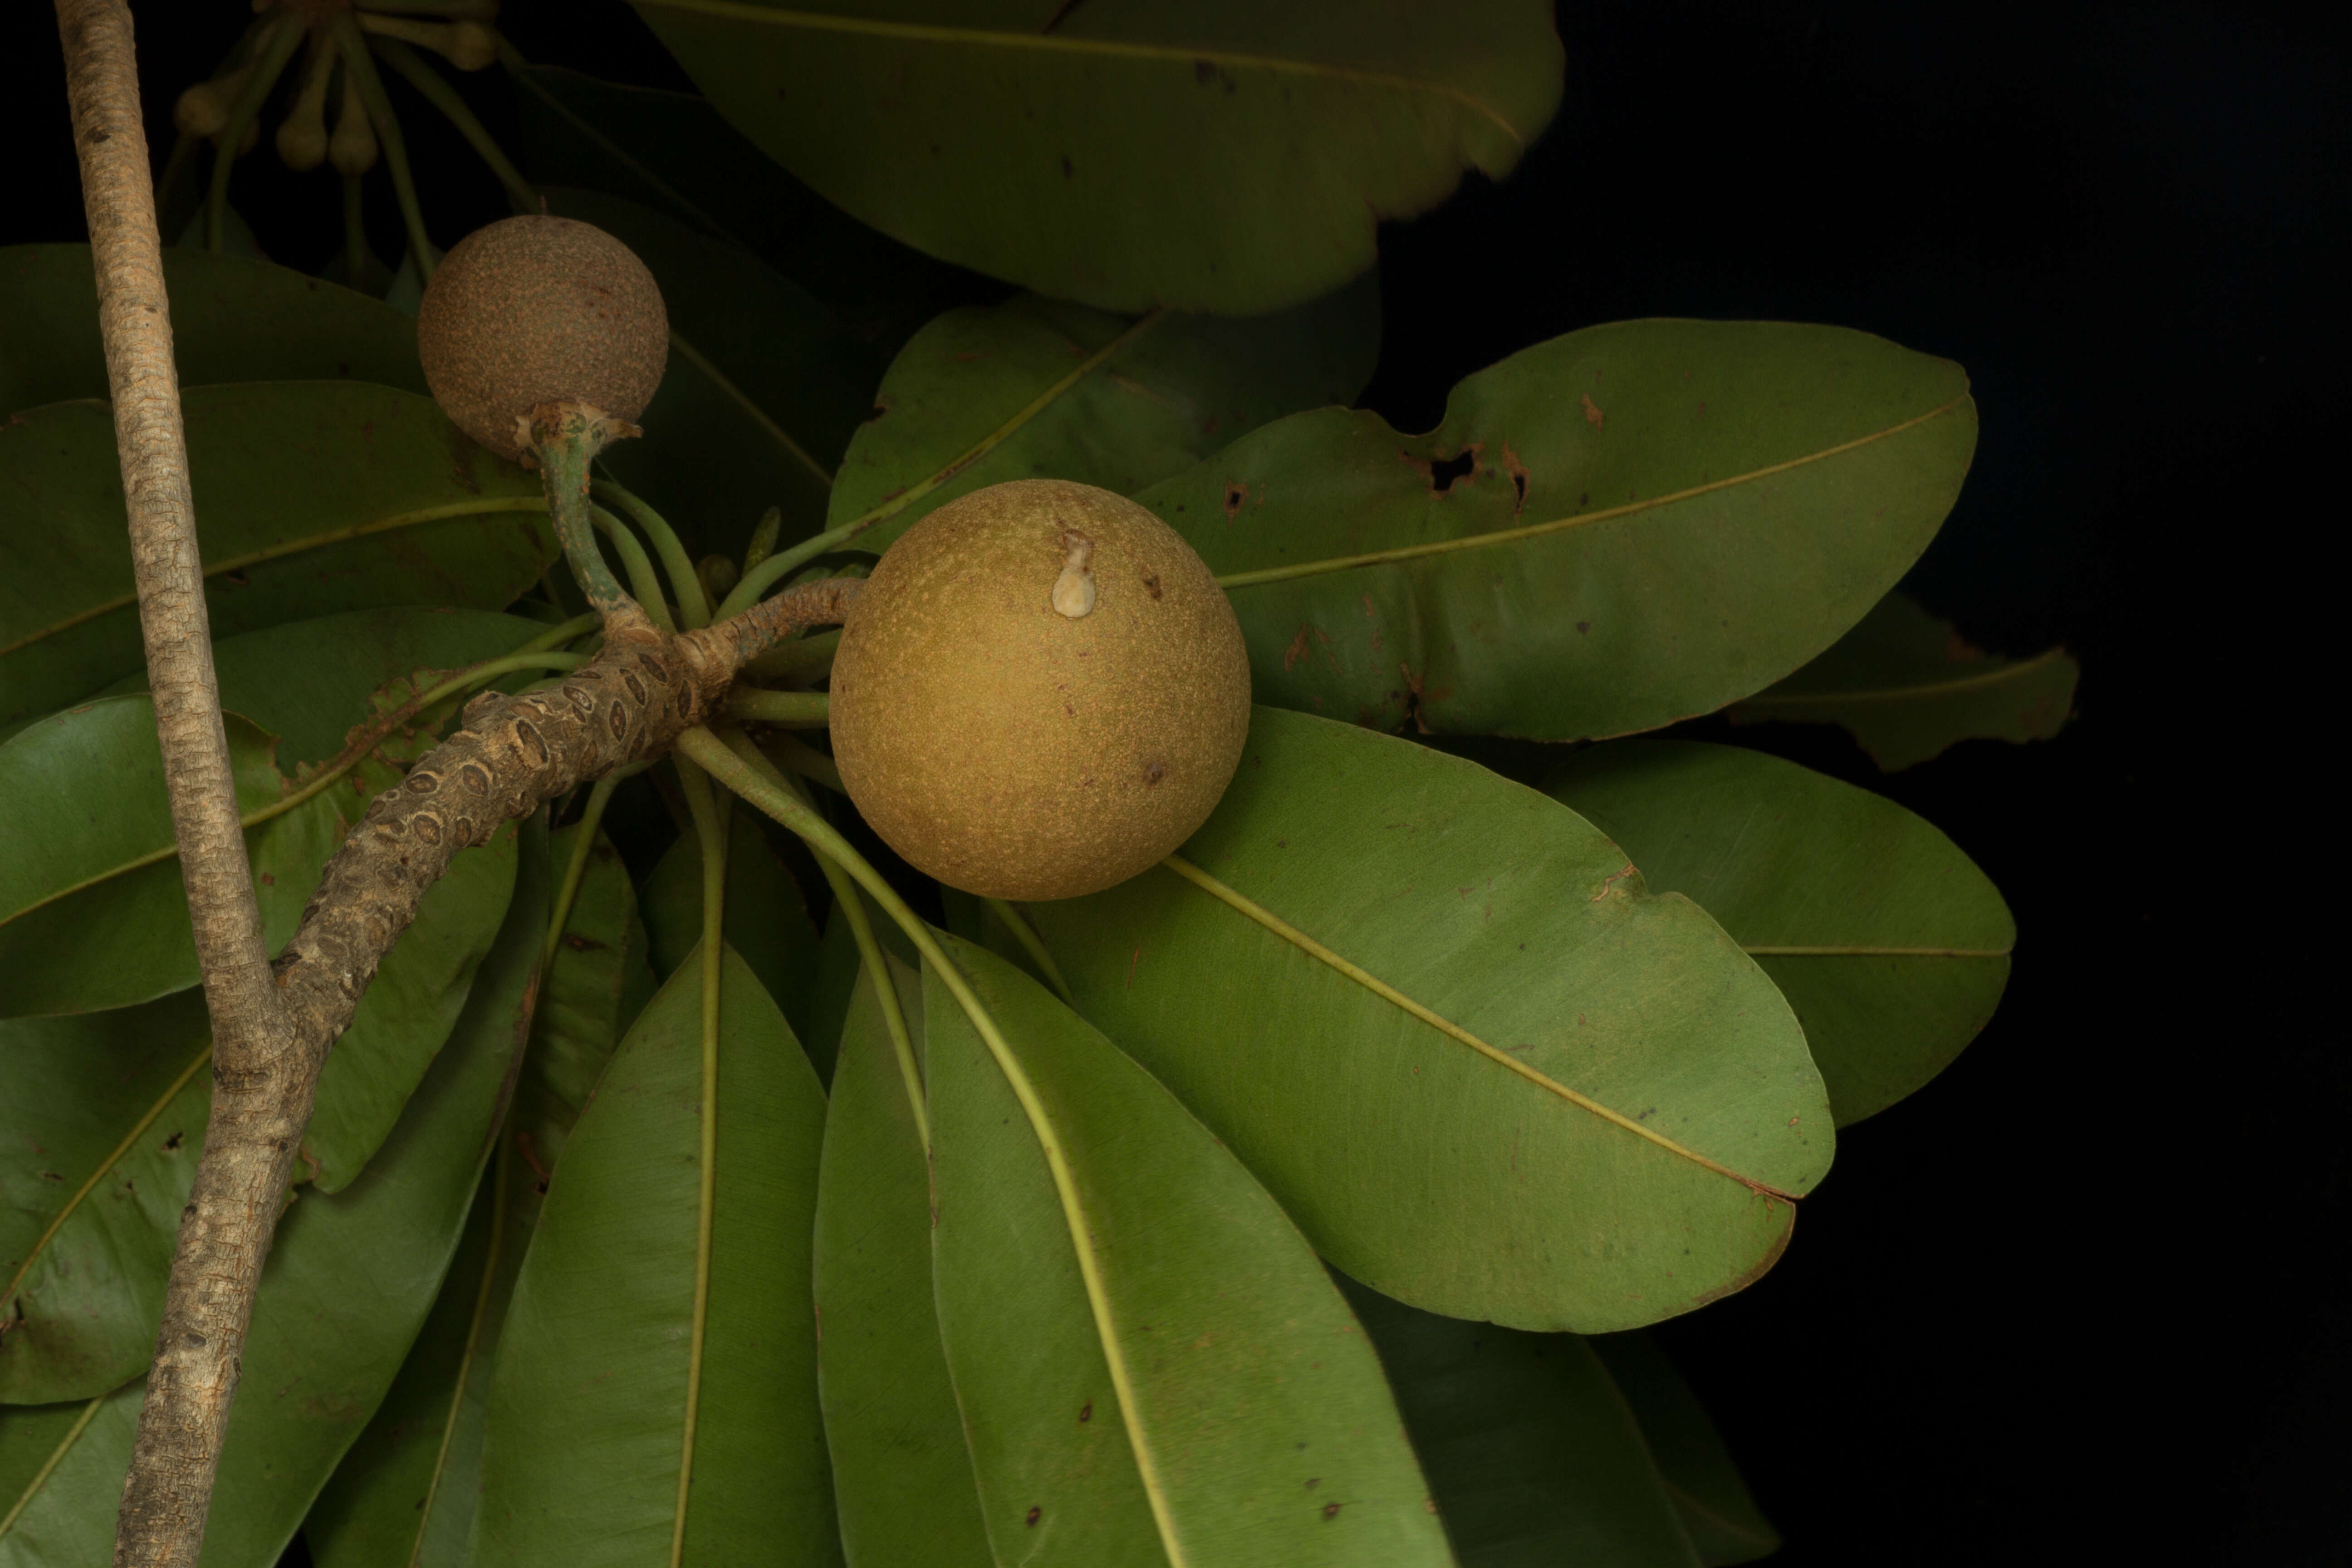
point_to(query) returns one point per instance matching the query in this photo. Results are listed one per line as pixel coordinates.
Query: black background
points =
(2082, 1295)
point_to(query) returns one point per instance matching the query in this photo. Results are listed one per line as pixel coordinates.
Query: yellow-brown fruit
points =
(1040, 691)
(540, 310)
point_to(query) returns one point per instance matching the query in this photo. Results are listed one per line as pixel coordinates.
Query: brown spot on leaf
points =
(1034, 1515)
(1519, 472)
(1592, 414)
(1297, 650)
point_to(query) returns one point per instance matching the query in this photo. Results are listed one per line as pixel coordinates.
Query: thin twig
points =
(263, 1079)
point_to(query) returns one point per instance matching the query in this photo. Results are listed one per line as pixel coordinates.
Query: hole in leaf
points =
(1444, 471)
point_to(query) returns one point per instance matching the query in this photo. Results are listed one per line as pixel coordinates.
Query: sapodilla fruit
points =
(1039, 692)
(540, 310)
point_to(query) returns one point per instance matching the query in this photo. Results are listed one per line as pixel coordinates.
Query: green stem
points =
(692, 607)
(636, 564)
(359, 72)
(789, 710)
(275, 50)
(759, 579)
(729, 768)
(575, 870)
(1033, 945)
(802, 661)
(763, 537)
(435, 90)
(710, 828)
(792, 752)
(565, 437)
(852, 904)
(773, 570)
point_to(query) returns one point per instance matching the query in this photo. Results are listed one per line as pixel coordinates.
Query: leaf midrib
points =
(1233, 580)
(48, 1466)
(1240, 903)
(73, 1204)
(1058, 43)
(1982, 678)
(296, 547)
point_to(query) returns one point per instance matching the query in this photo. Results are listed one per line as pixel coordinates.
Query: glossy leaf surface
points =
(581, 1461)
(404, 1496)
(99, 1137)
(902, 1477)
(1191, 1388)
(1520, 1086)
(1532, 1454)
(1887, 940)
(407, 1013)
(102, 1189)
(93, 912)
(762, 392)
(1907, 688)
(767, 918)
(1052, 390)
(1710, 1496)
(1609, 531)
(350, 1280)
(316, 497)
(233, 319)
(311, 683)
(1235, 159)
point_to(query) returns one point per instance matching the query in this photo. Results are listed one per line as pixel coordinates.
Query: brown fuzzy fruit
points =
(1040, 691)
(534, 309)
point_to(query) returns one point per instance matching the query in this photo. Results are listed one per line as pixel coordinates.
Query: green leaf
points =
(1710, 1496)
(1887, 940)
(1533, 1456)
(902, 1478)
(767, 922)
(587, 1412)
(1484, 1068)
(96, 1166)
(404, 1496)
(350, 1280)
(312, 497)
(672, 152)
(1188, 1388)
(408, 1011)
(310, 683)
(590, 997)
(762, 393)
(233, 319)
(99, 1137)
(1125, 156)
(1609, 531)
(817, 1015)
(1038, 388)
(1905, 685)
(93, 912)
